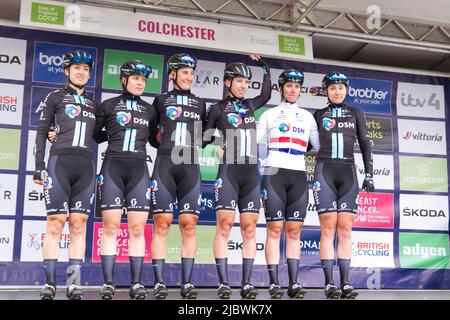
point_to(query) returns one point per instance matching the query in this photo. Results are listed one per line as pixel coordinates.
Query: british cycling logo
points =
(173, 112)
(33, 241)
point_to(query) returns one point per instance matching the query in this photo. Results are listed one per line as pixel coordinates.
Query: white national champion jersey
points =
(286, 130)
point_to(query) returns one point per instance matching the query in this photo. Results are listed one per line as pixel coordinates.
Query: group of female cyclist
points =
(178, 124)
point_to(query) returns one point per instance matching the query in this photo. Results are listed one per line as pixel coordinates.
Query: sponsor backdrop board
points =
(399, 231)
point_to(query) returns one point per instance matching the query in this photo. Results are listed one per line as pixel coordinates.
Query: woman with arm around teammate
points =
(124, 181)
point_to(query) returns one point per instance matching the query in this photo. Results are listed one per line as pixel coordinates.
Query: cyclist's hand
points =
(368, 185)
(40, 176)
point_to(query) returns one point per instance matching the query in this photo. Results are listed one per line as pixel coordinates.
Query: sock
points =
(108, 263)
(50, 271)
(222, 264)
(344, 270)
(186, 269)
(327, 265)
(273, 273)
(293, 270)
(247, 267)
(158, 267)
(136, 268)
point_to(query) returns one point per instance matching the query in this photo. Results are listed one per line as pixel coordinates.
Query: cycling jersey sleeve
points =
(364, 141)
(211, 124)
(261, 129)
(45, 121)
(100, 120)
(266, 93)
(153, 129)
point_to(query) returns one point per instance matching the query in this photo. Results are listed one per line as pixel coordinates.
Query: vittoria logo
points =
(422, 136)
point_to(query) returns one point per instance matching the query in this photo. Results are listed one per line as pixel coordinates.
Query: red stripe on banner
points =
(287, 139)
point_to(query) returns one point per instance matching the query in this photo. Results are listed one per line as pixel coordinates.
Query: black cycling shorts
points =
(335, 188)
(284, 194)
(124, 183)
(175, 184)
(70, 184)
(238, 185)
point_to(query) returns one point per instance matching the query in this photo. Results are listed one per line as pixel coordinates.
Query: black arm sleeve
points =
(266, 93)
(45, 121)
(211, 124)
(364, 141)
(153, 129)
(100, 135)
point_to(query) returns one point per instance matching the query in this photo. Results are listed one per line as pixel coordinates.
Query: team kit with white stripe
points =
(335, 185)
(237, 184)
(176, 174)
(129, 123)
(70, 184)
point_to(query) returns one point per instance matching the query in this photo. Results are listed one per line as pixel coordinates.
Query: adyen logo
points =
(424, 251)
(373, 96)
(48, 62)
